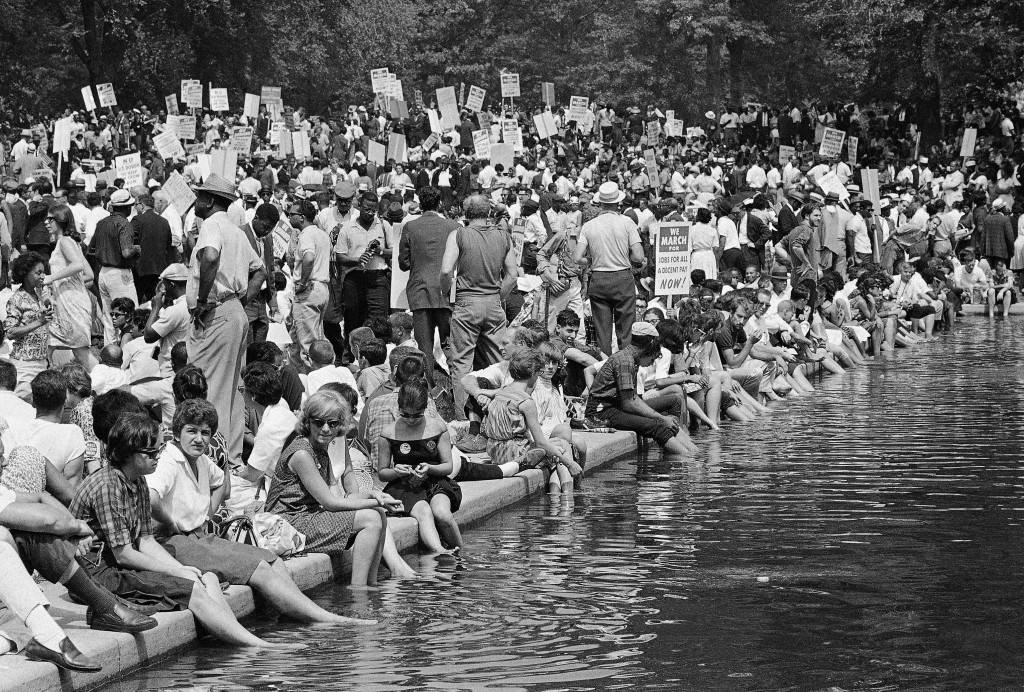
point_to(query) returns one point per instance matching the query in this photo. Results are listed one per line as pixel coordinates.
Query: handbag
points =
(238, 529)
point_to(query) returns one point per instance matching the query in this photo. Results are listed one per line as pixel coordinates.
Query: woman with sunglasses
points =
(414, 458)
(69, 275)
(307, 495)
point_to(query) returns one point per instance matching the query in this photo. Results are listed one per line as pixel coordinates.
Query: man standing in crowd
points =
(311, 271)
(485, 260)
(362, 253)
(225, 274)
(420, 252)
(116, 252)
(611, 242)
(155, 244)
(258, 233)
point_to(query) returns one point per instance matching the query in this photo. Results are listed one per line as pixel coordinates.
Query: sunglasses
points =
(150, 452)
(410, 416)
(321, 422)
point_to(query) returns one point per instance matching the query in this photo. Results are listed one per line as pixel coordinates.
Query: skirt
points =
(325, 532)
(410, 494)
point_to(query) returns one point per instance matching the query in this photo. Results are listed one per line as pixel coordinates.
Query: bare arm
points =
(449, 262)
(303, 466)
(509, 275)
(209, 265)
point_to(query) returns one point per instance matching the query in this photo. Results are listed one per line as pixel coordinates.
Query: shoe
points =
(120, 619)
(68, 658)
(533, 459)
(472, 444)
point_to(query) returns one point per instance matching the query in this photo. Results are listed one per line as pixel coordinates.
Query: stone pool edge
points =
(121, 653)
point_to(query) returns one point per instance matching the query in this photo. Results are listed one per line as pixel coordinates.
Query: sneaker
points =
(533, 459)
(472, 444)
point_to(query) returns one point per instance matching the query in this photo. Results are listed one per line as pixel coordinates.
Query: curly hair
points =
(327, 405)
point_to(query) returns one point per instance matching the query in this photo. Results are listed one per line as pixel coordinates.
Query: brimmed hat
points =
(345, 189)
(816, 197)
(710, 115)
(26, 133)
(219, 187)
(643, 329)
(779, 271)
(609, 193)
(175, 272)
(831, 198)
(395, 213)
(999, 203)
(121, 198)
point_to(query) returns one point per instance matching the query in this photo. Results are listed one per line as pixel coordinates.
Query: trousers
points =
(478, 324)
(612, 302)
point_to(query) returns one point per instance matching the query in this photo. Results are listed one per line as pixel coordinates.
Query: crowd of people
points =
(328, 342)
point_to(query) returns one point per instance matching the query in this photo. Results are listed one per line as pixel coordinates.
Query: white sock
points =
(44, 629)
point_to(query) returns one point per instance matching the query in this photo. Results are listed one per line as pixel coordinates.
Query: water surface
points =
(865, 538)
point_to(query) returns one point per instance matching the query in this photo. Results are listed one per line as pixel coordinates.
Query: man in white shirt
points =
(20, 148)
(972, 284)
(311, 271)
(757, 179)
(168, 320)
(729, 239)
(13, 409)
(63, 445)
(322, 357)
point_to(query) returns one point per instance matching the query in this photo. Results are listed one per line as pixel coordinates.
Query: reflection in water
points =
(866, 538)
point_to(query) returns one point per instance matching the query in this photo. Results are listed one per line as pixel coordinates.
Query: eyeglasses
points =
(150, 452)
(321, 422)
(410, 416)
(50, 218)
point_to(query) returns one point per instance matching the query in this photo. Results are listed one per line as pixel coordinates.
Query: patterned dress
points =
(325, 531)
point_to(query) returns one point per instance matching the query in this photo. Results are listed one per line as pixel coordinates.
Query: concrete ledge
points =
(977, 310)
(121, 653)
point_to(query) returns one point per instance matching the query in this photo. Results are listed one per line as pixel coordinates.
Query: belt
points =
(111, 266)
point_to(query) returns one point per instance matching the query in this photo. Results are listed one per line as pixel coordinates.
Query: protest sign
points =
(462, 94)
(510, 133)
(851, 148)
(969, 143)
(785, 154)
(431, 141)
(195, 94)
(669, 114)
(448, 107)
(482, 144)
(252, 106)
(476, 98)
(300, 142)
(547, 93)
(831, 142)
(418, 98)
(830, 184)
(90, 102)
(129, 168)
(672, 259)
(869, 186)
(182, 197)
(167, 145)
(284, 142)
(241, 140)
(397, 147)
(106, 93)
(545, 124)
(186, 127)
(270, 93)
(673, 128)
(193, 149)
(653, 130)
(375, 152)
(484, 118)
(503, 154)
(379, 79)
(203, 164)
(108, 176)
(171, 103)
(395, 89)
(519, 237)
(510, 85)
(578, 107)
(651, 162)
(224, 163)
(219, 99)
(435, 122)
(62, 134)
(399, 110)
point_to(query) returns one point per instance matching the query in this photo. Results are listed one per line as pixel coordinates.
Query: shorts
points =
(232, 562)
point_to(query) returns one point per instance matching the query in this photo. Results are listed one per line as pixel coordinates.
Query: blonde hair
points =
(327, 405)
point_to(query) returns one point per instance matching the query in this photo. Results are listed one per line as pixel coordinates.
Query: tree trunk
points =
(929, 99)
(713, 74)
(736, 81)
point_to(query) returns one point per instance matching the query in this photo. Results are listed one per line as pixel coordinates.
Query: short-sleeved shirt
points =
(23, 309)
(115, 508)
(113, 235)
(237, 259)
(618, 375)
(183, 496)
(313, 240)
(60, 443)
(729, 338)
(172, 326)
(606, 239)
(353, 238)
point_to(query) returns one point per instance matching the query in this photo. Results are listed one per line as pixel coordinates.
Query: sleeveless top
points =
(415, 452)
(287, 493)
(504, 420)
(481, 258)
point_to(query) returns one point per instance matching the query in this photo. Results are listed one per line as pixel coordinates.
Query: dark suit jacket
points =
(420, 251)
(154, 237)
(19, 223)
(37, 233)
(787, 221)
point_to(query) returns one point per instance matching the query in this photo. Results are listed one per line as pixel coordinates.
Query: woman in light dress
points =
(69, 275)
(704, 248)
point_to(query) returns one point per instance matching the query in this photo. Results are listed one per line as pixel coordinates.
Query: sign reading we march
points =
(672, 258)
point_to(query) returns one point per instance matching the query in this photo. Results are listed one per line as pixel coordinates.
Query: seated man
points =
(972, 285)
(577, 355)
(12, 407)
(108, 374)
(291, 385)
(114, 502)
(754, 365)
(321, 355)
(274, 423)
(180, 493)
(614, 402)
(38, 533)
(373, 367)
(62, 444)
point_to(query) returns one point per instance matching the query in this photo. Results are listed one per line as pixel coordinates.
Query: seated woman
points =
(614, 401)
(553, 414)
(868, 308)
(305, 493)
(512, 426)
(114, 502)
(414, 457)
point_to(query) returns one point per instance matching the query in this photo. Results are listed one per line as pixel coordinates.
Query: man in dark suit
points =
(787, 214)
(153, 235)
(258, 231)
(37, 235)
(786, 127)
(420, 251)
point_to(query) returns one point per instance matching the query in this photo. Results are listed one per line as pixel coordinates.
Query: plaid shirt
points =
(616, 376)
(116, 509)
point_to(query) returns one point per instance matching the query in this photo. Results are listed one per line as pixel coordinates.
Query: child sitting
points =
(373, 367)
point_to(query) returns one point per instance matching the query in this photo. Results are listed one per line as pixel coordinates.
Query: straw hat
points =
(219, 187)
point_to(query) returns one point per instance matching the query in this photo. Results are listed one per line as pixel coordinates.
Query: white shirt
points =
(730, 234)
(183, 497)
(13, 409)
(93, 217)
(756, 177)
(172, 326)
(277, 424)
(174, 220)
(60, 443)
(330, 373)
